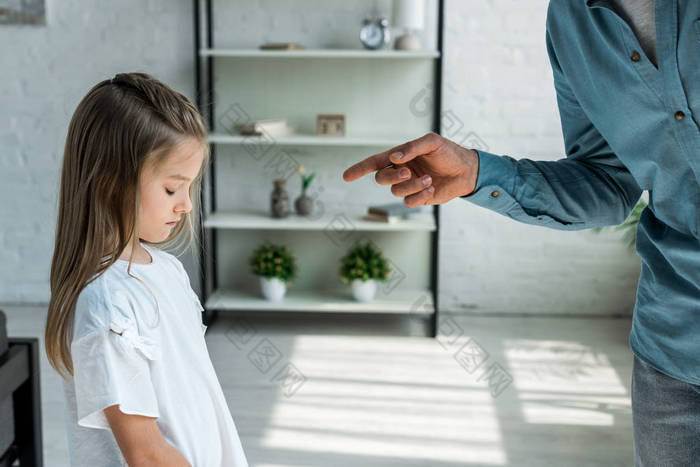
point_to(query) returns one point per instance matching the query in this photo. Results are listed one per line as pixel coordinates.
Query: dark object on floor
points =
(20, 402)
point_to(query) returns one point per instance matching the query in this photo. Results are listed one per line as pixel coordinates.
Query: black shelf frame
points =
(204, 94)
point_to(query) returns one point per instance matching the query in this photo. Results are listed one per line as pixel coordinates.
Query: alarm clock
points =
(374, 33)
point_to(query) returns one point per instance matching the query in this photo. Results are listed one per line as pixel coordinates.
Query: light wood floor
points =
(374, 392)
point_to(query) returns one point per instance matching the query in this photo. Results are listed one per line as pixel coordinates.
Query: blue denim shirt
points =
(628, 126)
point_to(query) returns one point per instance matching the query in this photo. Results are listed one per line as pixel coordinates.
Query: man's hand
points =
(427, 170)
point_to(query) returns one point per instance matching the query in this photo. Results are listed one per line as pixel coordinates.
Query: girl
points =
(123, 321)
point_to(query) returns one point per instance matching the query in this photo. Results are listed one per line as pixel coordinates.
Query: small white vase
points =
(272, 288)
(364, 291)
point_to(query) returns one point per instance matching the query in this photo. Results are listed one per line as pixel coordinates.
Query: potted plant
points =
(304, 204)
(276, 267)
(363, 266)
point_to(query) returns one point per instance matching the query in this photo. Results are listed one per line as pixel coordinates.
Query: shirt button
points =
(679, 115)
(635, 56)
(495, 193)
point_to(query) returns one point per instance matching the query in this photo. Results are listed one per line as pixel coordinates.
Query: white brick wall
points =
(497, 81)
(44, 72)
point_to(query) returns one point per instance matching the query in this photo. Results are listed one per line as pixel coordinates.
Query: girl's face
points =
(165, 194)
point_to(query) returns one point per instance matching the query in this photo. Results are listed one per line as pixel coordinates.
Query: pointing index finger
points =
(410, 150)
(371, 164)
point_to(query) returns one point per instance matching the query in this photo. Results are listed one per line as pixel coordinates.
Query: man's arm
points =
(589, 188)
(140, 440)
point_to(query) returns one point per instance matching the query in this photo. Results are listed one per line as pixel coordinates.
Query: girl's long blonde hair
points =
(121, 125)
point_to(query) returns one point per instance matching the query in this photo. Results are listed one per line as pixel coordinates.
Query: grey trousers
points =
(666, 418)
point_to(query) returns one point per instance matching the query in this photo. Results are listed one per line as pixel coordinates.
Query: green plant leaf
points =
(306, 181)
(364, 261)
(270, 260)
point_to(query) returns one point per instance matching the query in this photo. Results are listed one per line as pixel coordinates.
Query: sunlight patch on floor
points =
(560, 382)
(389, 398)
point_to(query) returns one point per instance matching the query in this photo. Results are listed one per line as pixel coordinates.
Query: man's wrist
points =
(496, 173)
(471, 173)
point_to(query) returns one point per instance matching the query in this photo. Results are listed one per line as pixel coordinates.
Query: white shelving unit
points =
(338, 300)
(367, 86)
(256, 220)
(320, 53)
(312, 140)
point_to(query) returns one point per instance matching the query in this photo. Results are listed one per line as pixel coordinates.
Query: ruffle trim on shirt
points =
(129, 334)
(198, 306)
(112, 367)
(200, 309)
(195, 299)
(191, 293)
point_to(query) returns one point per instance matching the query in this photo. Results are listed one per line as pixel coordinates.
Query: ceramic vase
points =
(279, 201)
(304, 204)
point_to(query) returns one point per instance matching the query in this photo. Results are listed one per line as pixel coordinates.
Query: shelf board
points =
(320, 53)
(413, 301)
(257, 220)
(310, 140)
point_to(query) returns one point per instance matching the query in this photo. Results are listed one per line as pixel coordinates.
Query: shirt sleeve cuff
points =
(108, 370)
(494, 183)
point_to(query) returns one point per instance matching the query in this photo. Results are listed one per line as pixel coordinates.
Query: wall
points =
(497, 82)
(44, 72)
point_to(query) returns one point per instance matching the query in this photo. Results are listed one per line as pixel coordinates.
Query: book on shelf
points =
(282, 46)
(274, 127)
(392, 213)
(385, 219)
(392, 209)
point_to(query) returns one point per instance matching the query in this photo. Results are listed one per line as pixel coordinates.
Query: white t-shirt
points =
(163, 371)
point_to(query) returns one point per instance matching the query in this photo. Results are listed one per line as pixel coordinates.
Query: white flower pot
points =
(364, 291)
(272, 288)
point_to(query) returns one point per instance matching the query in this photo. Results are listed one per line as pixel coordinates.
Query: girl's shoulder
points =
(167, 264)
(166, 257)
(182, 275)
(101, 304)
(116, 298)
